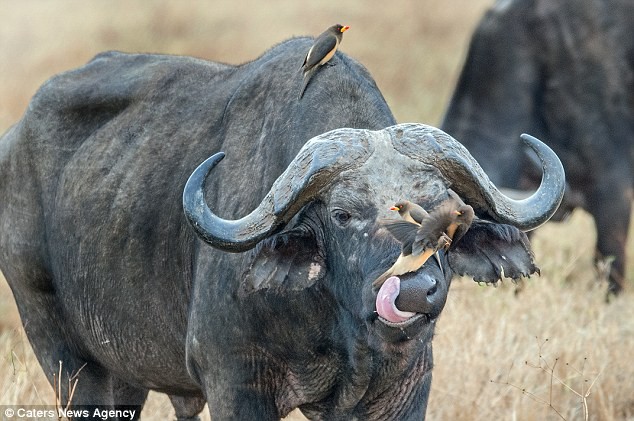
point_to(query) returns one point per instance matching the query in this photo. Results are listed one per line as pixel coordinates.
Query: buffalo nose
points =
(433, 287)
(422, 294)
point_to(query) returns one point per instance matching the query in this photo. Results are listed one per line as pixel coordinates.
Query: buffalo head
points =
(320, 223)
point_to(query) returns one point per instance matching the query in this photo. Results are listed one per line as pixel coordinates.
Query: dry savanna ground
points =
(553, 351)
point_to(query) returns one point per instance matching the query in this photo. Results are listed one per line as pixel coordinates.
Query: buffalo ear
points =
(290, 260)
(490, 251)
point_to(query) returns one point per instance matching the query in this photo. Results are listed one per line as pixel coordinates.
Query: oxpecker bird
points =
(410, 212)
(448, 222)
(321, 52)
(409, 260)
(455, 213)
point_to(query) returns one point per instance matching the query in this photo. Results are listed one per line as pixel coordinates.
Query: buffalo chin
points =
(418, 327)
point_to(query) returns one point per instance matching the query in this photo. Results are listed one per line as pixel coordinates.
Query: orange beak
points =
(394, 208)
(344, 29)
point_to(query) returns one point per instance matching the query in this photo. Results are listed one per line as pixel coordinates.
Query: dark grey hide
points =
(111, 278)
(564, 71)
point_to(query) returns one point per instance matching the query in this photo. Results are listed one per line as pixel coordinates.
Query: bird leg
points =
(444, 241)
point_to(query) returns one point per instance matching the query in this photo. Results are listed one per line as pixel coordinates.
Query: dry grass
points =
(413, 48)
(535, 355)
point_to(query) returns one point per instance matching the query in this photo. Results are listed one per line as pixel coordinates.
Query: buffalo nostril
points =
(432, 288)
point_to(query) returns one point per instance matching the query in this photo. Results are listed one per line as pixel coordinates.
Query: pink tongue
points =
(385, 305)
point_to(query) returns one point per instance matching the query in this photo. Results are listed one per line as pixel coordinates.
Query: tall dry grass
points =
(498, 355)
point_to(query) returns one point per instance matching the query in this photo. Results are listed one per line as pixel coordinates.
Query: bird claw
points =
(445, 240)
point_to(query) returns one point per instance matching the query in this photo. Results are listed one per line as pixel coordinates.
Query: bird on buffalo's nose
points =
(447, 223)
(405, 231)
(321, 52)
(455, 213)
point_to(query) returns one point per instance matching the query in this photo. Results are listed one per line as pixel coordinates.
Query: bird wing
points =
(432, 228)
(417, 213)
(461, 223)
(323, 45)
(435, 225)
(403, 231)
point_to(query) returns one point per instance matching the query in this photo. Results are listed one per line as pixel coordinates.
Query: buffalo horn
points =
(436, 148)
(317, 163)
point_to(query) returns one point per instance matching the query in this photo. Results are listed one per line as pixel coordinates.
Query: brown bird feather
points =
(462, 216)
(448, 222)
(413, 254)
(405, 231)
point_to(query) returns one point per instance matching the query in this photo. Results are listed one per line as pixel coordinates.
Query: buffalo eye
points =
(341, 217)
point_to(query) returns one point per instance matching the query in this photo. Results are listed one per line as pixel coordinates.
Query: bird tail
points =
(307, 76)
(301, 93)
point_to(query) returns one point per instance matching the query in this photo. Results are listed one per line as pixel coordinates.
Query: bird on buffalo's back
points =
(321, 52)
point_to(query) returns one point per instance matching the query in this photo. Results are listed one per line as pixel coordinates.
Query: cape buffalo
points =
(564, 71)
(279, 312)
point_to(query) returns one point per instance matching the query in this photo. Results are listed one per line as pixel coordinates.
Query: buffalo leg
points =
(239, 403)
(187, 408)
(611, 210)
(76, 381)
(63, 368)
(126, 395)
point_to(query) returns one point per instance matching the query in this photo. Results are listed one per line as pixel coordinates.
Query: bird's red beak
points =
(394, 208)
(344, 29)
